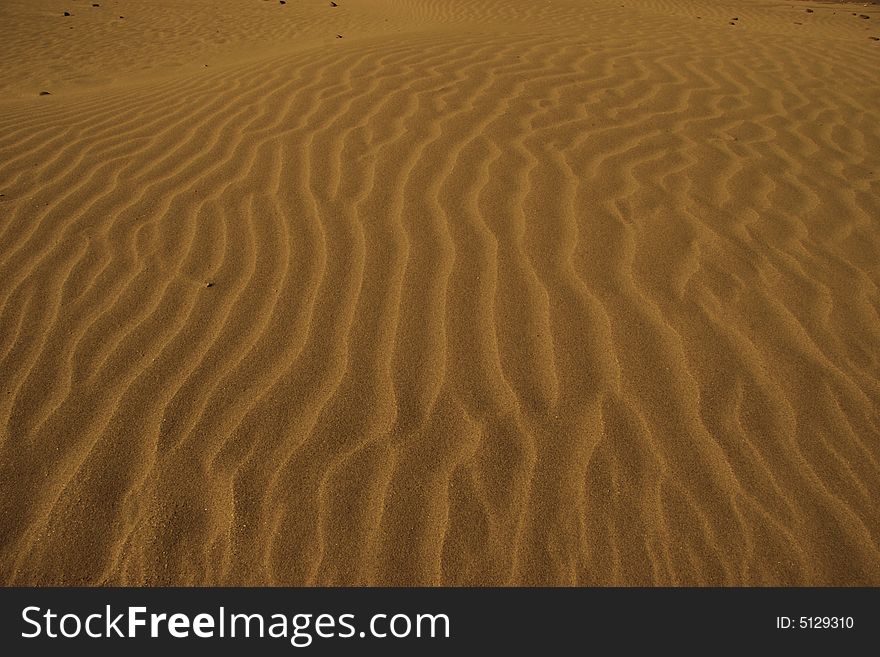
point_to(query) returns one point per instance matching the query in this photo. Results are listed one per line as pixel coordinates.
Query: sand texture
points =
(423, 292)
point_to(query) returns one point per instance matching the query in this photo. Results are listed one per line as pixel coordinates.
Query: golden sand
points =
(439, 292)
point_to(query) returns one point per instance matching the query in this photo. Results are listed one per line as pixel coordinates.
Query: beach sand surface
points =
(421, 292)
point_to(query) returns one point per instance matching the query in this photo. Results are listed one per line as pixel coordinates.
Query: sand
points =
(419, 292)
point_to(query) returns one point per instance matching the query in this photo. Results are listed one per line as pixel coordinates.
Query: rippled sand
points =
(439, 292)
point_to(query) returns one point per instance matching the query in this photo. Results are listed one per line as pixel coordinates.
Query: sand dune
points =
(439, 292)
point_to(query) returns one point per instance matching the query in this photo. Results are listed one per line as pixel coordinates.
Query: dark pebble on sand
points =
(67, 13)
(809, 11)
(209, 285)
(282, 2)
(874, 38)
(45, 93)
(864, 17)
(338, 36)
